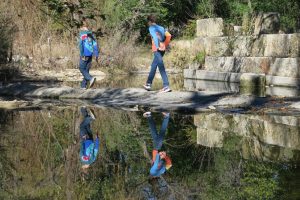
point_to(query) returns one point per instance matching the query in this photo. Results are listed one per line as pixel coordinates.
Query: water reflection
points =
(214, 155)
(89, 146)
(161, 161)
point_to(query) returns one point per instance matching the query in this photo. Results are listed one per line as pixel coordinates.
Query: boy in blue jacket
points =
(88, 147)
(88, 48)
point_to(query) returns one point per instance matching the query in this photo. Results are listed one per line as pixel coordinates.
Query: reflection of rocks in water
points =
(157, 189)
(265, 137)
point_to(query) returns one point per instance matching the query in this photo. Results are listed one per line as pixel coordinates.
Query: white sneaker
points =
(92, 82)
(147, 114)
(147, 86)
(165, 89)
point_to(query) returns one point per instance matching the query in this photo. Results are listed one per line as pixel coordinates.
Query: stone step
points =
(266, 45)
(236, 77)
(285, 67)
(203, 85)
(279, 131)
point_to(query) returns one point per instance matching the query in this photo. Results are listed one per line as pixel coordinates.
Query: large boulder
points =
(267, 23)
(210, 27)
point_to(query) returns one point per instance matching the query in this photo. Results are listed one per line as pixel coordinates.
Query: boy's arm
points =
(96, 49)
(81, 47)
(168, 162)
(154, 153)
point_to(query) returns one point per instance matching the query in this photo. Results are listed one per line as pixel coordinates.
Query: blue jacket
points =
(158, 167)
(89, 151)
(157, 33)
(86, 47)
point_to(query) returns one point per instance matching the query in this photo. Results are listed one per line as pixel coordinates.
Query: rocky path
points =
(134, 97)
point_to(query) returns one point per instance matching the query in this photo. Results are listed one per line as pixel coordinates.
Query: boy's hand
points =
(83, 58)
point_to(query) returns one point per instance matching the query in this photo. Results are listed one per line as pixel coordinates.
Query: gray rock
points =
(282, 91)
(217, 46)
(204, 85)
(220, 64)
(282, 81)
(209, 138)
(210, 27)
(267, 23)
(242, 46)
(189, 73)
(252, 64)
(218, 76)
(238, 30)
(288, 67)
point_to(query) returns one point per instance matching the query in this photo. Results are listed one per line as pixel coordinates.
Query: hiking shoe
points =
(165, 89)
(147, 86)
(147, 114)
(84, 111)
(92, 82)
(91, 114)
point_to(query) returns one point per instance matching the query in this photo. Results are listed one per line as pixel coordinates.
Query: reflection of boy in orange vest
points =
(161, 162)
(160, 40)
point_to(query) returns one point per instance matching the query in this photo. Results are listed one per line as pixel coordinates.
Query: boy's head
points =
(151, 19)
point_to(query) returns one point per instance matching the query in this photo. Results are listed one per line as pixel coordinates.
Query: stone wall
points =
(273, 54)
(268, 137)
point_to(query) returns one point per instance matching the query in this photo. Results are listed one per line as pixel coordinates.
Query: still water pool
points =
(53, 154)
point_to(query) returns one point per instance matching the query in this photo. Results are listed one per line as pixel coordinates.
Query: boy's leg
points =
(163, 128)
(162, 69)
(153, 132)
(153, 69)
(85, 128)
(83, 67)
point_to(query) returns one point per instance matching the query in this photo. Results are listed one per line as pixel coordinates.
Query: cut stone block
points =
(220, 64)
(209, 138)
(218, 76)
(283, 91)
(204, 85)
(252, 79)
(242, 46)
(287, 67)
(238, 64)
(267, 23)
(217, 46)
(253, 64)
(251, 83)
(189, 73)
(282, 81)
(277, 45)
(210, 27)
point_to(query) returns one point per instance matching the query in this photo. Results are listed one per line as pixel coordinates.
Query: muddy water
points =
(214, 156)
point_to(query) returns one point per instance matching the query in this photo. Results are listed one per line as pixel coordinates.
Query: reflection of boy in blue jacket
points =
(88, 48)
(89, 147)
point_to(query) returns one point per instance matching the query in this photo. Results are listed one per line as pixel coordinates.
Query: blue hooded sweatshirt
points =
(89, 151)
(86, 47)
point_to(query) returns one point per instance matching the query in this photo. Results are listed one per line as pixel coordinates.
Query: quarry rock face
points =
(264, 52)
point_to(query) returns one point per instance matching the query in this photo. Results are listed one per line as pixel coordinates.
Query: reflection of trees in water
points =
(41, 161)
